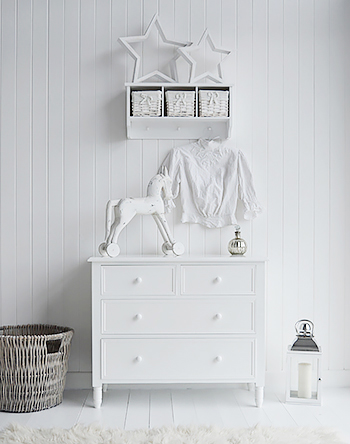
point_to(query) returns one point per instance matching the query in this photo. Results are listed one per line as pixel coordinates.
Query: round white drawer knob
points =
(209, 128)
(178, 128)
(138, 358)
(218, 359)
(138, 316)
(138, 280)
(218, 316)
(218, 279)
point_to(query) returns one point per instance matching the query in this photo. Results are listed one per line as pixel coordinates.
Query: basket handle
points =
(53, 345)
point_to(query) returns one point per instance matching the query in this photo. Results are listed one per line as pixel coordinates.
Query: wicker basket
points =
(33, 366)
(146, 103)
(180, 103)
(213, 103)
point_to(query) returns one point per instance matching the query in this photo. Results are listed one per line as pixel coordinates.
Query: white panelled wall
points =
(64, 153)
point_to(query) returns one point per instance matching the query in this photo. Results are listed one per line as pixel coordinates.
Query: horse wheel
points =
(102, 249)
(178, 249)
(113, 250)
(167, 248)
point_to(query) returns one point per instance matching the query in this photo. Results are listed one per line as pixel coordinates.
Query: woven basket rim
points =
(52, 330)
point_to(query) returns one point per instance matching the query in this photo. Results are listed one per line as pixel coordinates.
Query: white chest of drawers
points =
(178, 320)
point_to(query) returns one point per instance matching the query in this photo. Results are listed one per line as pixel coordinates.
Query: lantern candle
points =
(304, 380)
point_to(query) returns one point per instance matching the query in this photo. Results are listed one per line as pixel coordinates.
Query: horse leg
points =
(170, 244)
(111, 205)
(122, 218)
(163, 227)
(160, 228)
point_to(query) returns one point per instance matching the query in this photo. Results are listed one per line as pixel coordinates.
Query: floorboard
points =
(183, 408)
(161, 408)
(135, 409)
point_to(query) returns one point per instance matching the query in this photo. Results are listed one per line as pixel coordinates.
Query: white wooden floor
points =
(132, 409)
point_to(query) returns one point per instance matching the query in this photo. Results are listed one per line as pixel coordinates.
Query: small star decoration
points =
(186, 51)
(125, 41)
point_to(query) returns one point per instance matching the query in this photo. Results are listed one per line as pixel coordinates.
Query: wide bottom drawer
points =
(177, 359)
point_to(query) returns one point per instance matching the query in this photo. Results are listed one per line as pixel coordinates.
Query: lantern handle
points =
(304, 321)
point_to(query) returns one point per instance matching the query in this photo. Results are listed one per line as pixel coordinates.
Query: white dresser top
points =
(176, 259)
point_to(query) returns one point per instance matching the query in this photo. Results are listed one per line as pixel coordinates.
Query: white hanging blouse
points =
(210, 177)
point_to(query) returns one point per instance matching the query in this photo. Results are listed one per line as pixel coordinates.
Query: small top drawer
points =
(137, 280)
(218, 279)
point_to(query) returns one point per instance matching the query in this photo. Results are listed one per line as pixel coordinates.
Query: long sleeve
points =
(171, 162)
(246, 189)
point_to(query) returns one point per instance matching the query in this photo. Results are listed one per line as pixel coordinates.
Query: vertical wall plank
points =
(55, 172)
(71, 289)
(347, 178)
(88, 240)
(40, 160)
(229, 29)
(265, 54)
(133, 231)
(212, 239)
(117, 118)
(24, 162)
(322, 188)
(244, 96)
(272, 242)
(152, 50)
(337, 189)
(291, 170)
(8, 162)
(306, 160)
(198, 22)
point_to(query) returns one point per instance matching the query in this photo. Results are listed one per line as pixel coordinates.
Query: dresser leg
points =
(97, 396)
(259, 396)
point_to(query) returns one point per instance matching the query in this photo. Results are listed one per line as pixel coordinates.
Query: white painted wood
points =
(40, 161)
(230, 407)
(183, 407)
(272, 156)
(216, 315)
(24, 158)
(182, 339)
(64, 153)
(161, 408)
(337, 189)
(291, 123)
(8, 135)
(138, 412)
(55, 169)
(218, 279)
(205, 359)
(138, 280)
(322, 173)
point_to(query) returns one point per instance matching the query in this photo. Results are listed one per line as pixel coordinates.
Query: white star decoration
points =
(125, 41)
(185, 53)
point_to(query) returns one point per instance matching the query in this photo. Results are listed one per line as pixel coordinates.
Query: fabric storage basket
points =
(213, 103)
(33, 366)
(180, 103)
(146, 103)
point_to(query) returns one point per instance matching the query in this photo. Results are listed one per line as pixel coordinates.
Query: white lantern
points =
(304, 364)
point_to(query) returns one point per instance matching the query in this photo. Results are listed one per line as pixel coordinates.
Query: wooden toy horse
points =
(126, 209)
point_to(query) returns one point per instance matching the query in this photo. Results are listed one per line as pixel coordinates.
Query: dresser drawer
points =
(211, 315)
(176, 359)
(217, 279)
(137, 280)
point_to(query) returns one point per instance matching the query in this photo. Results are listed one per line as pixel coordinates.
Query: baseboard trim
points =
(78, 380)
(274, 381)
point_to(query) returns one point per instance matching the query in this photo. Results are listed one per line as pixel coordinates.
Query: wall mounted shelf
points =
(184, 127)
